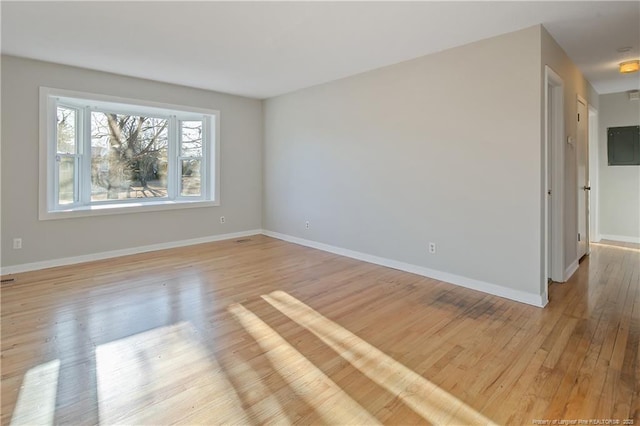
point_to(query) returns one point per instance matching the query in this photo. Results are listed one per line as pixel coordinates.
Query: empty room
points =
(343, 213)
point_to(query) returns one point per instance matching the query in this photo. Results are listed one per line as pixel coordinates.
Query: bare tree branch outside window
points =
(129, 156)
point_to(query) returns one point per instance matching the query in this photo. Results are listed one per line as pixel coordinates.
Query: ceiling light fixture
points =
(629, 66)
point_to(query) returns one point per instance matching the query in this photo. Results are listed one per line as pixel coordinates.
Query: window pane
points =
(66, 119)
(190, 177)
(66, 173)
(191, 138)
(128, 156)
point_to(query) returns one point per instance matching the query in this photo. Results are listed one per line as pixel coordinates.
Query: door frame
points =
(587, 194)
(594, 175)
(553, 165)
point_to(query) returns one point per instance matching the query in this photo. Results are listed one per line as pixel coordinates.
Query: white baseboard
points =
(571, 269)
(25, 267)
(621, 238)
(537, 300)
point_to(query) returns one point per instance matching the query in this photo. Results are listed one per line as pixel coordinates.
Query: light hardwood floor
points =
(263, 331)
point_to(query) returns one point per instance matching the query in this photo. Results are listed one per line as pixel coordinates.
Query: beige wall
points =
(574, 84)
(618, 186)
(444, 148)
(241, 168)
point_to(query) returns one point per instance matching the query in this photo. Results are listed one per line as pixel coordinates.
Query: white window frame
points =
(84, 103)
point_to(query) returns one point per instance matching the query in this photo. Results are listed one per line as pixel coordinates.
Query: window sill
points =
(124, 208)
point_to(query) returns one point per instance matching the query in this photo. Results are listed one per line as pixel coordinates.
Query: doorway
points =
(582, 152)
(594, 164)
(553, 176)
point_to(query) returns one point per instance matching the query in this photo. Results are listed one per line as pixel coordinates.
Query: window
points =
(108, 155)
(623, 146)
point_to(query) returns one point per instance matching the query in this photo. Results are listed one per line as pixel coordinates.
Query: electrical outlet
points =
(17, 243)
(306, 225)
(222, 219)
(432, 248)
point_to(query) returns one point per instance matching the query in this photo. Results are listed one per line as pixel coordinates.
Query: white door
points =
(582, 145)
(550, 183)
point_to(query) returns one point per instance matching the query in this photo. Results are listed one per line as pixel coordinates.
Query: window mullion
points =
(204, 162)
(54, 159)
(179, 172)
(76, 179)
(56, 177)
(84, 150)
(173, 151)
(203, 173)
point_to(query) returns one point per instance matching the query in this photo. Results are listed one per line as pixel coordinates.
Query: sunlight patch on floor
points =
(308, 382)
(261, 403)
(37, 398)
(425, 398)
(164, 376)
(616, 247)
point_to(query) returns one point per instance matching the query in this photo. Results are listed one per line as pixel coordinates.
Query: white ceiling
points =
(264, 49)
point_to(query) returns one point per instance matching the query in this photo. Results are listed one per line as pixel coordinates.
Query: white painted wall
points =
(241, 168)
(619, 186)
(444, 148)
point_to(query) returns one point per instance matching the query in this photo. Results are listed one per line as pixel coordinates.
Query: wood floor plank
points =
(268, 332)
